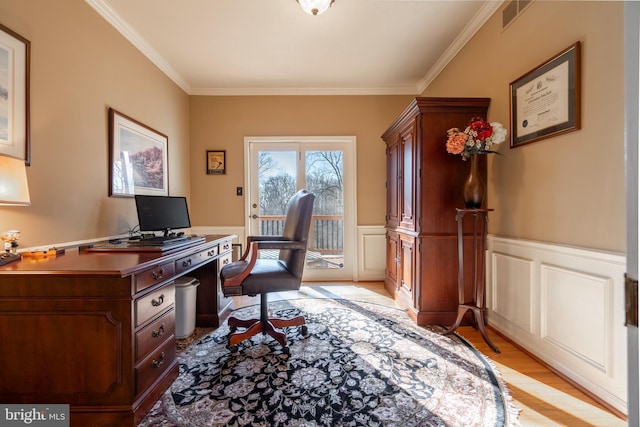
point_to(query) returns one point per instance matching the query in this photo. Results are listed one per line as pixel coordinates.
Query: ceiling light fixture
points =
(315, 7)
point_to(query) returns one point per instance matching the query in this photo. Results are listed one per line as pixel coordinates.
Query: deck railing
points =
(326, 234)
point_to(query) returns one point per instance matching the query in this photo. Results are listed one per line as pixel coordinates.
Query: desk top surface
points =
(107, 263)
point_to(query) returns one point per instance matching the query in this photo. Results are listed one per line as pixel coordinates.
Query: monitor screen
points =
(162, 213)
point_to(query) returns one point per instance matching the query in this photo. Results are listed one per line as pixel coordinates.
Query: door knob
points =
(254, 216)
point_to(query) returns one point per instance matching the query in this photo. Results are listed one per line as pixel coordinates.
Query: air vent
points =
(513, 9)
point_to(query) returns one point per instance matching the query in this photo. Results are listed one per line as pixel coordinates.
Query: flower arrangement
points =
(477, 138)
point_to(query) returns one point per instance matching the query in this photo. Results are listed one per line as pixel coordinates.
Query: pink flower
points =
(456, 142)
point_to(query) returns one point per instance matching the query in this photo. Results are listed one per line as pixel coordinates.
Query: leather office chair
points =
(253, 276)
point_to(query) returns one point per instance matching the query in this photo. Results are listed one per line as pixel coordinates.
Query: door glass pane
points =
(277, 183)
(279, 176)
(324, 178)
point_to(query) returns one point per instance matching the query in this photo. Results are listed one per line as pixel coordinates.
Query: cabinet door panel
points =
(63, 334)
(392, 260)
(393, 172)
(407, 183)
(407, 270)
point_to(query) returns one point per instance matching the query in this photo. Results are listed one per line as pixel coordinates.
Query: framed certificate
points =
(545, 102)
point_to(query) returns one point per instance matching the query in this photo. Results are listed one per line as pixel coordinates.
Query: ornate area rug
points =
(362, 364)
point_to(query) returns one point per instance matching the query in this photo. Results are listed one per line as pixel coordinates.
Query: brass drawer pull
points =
(225, 261)
(158, 332)
(157, 302)
(186, 263)
(157, 275)
(211, 253)
(157, 363)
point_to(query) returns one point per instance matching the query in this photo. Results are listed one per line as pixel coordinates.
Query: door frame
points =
(632, 113)
(350, 204)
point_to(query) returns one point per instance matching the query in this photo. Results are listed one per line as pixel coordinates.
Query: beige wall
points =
(80, 67)
(568, 189)
(221, 123)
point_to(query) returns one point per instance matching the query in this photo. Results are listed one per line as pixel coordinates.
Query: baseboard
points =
(565, 305)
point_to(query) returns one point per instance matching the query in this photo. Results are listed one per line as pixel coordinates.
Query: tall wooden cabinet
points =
(424, 188)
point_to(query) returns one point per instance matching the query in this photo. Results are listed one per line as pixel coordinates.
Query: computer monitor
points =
(162, 213)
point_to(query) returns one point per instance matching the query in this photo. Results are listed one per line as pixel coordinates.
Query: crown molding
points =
(479, 19)
(295, 91)
(103, 9)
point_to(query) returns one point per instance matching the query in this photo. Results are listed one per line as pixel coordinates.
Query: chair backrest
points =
(296, 227)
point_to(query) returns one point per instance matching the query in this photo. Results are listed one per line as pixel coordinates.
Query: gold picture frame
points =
(545, 102)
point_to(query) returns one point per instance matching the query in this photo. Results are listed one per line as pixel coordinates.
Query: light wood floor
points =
(544, 398)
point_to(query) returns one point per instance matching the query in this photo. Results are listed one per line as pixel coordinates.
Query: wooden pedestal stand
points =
(478, 277)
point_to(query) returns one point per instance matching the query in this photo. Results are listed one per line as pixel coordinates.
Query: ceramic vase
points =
(474, 187)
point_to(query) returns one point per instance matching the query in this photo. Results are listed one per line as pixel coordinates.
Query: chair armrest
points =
(260, 238)
(253, 247)
(237, 280)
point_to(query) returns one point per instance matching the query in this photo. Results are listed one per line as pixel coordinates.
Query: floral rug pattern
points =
(361, 364)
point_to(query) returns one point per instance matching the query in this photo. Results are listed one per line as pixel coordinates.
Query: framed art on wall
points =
(216, 164)
(137, 158)
(545, 102)
(14, 95)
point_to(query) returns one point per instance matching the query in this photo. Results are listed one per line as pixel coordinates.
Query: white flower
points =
(499, 132)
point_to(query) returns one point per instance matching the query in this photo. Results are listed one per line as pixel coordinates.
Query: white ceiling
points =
(272, 47)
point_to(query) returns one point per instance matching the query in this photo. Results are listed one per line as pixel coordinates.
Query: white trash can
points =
(186, 292)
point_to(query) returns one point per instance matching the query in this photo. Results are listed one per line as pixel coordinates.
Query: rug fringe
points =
(511, 410)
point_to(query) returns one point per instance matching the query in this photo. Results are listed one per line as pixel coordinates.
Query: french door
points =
(277, 168)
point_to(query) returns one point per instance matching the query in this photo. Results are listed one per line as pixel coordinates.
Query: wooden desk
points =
(96, 329)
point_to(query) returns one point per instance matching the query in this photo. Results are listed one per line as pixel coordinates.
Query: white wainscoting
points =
(565, 305)
(371, 248)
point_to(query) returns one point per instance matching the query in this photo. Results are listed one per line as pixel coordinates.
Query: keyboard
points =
(157, 241)
(7, 257)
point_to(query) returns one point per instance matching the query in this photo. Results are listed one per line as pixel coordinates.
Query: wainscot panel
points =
(565, 305)
(371, 252)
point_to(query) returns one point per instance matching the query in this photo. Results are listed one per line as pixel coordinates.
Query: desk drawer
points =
(155, 365)
(154, 334)
(225, 246)
(224, 260)
(153, 277)
(186, 263)
(151, 305)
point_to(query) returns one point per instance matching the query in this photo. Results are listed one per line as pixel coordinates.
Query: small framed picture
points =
(216, 162)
